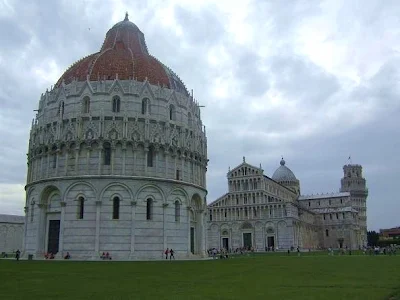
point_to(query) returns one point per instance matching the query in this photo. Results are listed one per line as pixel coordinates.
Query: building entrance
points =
(53, 236)
(271, 242)
(247, 240)
(192, 240)
(225, 243)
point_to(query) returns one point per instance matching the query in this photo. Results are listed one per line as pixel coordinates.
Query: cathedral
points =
(269, 213)
(117, 159)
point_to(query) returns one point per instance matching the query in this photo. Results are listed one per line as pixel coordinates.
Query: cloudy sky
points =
(314, 81)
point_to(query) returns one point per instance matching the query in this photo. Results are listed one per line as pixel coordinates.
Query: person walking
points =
(17, 254)
(166, 253)
(171, 254)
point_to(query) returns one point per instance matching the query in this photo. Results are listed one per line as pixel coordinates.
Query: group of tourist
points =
(105, 256)
(170, 252)
(215, 253)
(389, 250)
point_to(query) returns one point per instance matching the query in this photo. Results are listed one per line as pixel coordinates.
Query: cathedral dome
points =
(123, 55)
(283, 173)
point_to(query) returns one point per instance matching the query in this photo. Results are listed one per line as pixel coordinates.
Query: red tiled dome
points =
(124, 52)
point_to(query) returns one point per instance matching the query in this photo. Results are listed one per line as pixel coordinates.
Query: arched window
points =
(172, 112)
(177, 211)
(150, 156)
(145, 106)
(189, 119)
(81, 207)
(116, 104)
(86, 105)
(116, 208)
(107, 154)
(149, 209)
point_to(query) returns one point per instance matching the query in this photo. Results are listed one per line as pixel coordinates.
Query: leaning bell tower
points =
(354, 182)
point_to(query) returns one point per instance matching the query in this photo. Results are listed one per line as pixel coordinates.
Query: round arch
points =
(150, 186)
(178, 193)
(115, 193)
(77, 183)
(47, 192)
(196, 202)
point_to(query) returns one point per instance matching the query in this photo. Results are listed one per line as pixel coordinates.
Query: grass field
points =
(245, 277)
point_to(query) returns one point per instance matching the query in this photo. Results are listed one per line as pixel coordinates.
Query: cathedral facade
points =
(269, 213)
(117, 159)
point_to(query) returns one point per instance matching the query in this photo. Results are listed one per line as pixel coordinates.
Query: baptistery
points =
(117, 159)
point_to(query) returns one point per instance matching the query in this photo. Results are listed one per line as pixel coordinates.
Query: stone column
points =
(48, 164)
(182, 167)
(134, 149)
(123, 158)
(146, 152)
(57, 156)
(77, 161)
(113, 150)
(26, 211)
(62, 219)
(88, 149)
(202, 244)
(166, 163)
(41, 231)
(133, 217)
(156, 154)
(41, 166)
(165, 205)
(188, 225)
(175, 165)
(100, 159)
(66, 163)
(97, 237)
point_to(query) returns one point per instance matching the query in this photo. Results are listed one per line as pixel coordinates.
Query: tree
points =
(373, 238)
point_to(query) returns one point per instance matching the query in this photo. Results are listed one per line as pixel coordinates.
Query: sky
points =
(312, 81)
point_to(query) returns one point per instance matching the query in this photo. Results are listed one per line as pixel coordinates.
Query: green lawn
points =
(246, 277)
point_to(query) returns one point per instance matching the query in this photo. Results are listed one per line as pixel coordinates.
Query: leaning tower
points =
(117, 158)
(354, 182)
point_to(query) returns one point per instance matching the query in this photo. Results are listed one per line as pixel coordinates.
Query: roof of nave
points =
(211, 204)
(14, 219)
(123, 55)
(324, 196)
(328, 210)
(245, 164)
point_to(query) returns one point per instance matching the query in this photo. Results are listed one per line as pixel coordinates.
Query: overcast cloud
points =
(314, 81)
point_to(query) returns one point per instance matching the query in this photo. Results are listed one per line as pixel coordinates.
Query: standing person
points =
(166, 253)
(171, 254)
(17, 254)
(298, 251)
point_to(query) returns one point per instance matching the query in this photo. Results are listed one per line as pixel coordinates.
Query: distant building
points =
(389, 234)
(11, 233)
(260, 212)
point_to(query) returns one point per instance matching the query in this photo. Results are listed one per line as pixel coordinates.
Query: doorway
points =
(192, 240)
(53, 236)
(247, 240)
(225, 243)
(271, 242)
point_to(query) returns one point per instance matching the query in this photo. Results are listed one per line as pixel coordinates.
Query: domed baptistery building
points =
(117, 159)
